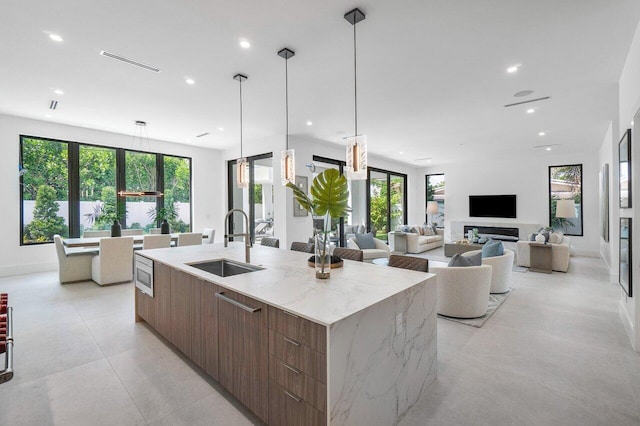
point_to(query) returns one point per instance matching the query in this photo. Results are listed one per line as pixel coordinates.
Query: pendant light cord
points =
(355, 81)
(240, 80)
(286, 96)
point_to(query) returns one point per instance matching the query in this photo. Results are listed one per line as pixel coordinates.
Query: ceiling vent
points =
(527, 102)
(53, 104)
(201, 135)
(128, 61)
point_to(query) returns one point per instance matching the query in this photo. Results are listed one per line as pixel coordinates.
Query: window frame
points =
(405, 199)
(73, 173)
(581, 234)
(426, 196)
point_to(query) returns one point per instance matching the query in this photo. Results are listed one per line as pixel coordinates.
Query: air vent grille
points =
(128, 61)
(527, 102)
(201, 135)
(53, 104)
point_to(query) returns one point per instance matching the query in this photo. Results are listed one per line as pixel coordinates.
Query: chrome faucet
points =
(247, 237)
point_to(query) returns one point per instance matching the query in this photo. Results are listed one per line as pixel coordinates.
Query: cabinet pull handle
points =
(291, 368)
(221, 296)
(290, 314)
(292, 396)
(293, 342)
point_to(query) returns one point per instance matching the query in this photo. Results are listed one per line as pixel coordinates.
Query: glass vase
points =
(322, 257)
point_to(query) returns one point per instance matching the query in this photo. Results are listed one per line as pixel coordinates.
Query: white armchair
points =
(463, 291)
(72, 268)
(114, 264)
(502, 266)
(382, 250)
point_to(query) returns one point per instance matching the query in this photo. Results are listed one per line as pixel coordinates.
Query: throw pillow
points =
(492, 248)
(406, 228)
(428, 230)
(420, 230)
(459, 261)
(532, 237)
(555, 238)
(476, 259)
(365, 241)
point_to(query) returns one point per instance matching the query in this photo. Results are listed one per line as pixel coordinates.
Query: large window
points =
(387, 201)
(69, 187)
(45, 189)
(565, 187)
(435, 192)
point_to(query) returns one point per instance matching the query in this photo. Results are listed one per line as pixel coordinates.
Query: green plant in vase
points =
(329, 199)
(164, 215)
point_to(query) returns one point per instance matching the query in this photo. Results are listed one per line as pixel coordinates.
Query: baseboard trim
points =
(13, 270)
(628, 325)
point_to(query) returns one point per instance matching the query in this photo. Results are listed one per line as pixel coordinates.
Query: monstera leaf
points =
(330, 194)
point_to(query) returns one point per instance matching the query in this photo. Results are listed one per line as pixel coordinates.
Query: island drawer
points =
(299, 329)
(288, 409)
(299, 356)
(310, 390)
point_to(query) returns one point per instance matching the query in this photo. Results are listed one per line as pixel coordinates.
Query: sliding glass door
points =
(386, 201)
(256, 200)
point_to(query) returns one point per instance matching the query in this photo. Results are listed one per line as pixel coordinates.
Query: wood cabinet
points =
(243, 361)
(156, 311)
(182, 293)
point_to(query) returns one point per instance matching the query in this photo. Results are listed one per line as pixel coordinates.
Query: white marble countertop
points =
(288, 283)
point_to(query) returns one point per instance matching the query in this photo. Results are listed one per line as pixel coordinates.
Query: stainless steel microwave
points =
(144, 274)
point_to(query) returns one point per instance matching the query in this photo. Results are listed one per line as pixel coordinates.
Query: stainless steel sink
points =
(225, 267)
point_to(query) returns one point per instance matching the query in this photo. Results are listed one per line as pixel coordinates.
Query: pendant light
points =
(287, 159)
(356, 168)
(139, 138)
(242, 171)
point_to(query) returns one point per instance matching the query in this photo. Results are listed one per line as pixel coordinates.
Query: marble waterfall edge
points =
(376, 374)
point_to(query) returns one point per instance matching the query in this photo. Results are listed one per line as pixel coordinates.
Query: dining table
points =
(84, 246)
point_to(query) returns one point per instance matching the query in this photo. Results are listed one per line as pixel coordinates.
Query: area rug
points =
(495, 300)
(517, 268)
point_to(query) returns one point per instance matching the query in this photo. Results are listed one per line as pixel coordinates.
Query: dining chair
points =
(156, 241)
(209, 234)
(303, 247)
(130, 232)
(349, 254)
(96, 234)
(270, 242)
(114, 263)
(155, 231)
(409, 262)
(189, 239)
(72, 268)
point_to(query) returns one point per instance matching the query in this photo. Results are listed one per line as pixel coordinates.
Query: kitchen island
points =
(359, 348)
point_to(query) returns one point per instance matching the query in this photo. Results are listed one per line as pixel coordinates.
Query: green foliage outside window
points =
(46, 223)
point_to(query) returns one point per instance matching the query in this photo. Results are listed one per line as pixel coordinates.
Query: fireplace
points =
(495, 232)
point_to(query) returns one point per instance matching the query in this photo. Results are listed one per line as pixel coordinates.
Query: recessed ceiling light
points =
(309, 123)
(512, 69)
(189, 81)
(548, 148)
(541, 134)
(531, 111)
(56, 37)
(429, 160)
(245, 44)
(401, 152)
(47, 115)
(58, 92)
(221, 129)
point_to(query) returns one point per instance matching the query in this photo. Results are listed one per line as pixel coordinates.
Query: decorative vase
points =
(116, 229)
(164, 227)
(322, 257)
(540, 239)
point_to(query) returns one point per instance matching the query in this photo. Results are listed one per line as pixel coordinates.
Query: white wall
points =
(16, 259)
(629, 103)
(606, 155)
(525, 175)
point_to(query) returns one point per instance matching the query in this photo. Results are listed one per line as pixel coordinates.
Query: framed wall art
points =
(624, 165)
(302, 182)
(604, 201)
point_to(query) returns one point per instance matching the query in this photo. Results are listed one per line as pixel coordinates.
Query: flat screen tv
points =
(492, 206)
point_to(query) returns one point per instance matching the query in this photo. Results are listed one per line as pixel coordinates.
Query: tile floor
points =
(554, 353)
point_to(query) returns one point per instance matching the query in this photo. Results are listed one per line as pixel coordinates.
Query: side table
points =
(398, 242)
(540, 258)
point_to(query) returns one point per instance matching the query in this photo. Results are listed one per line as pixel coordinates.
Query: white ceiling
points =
(432, 74)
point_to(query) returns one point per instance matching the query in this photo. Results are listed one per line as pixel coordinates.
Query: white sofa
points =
(501, 268)
(463, 292)
(382, 250)
(417, 243)
(559, 254)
